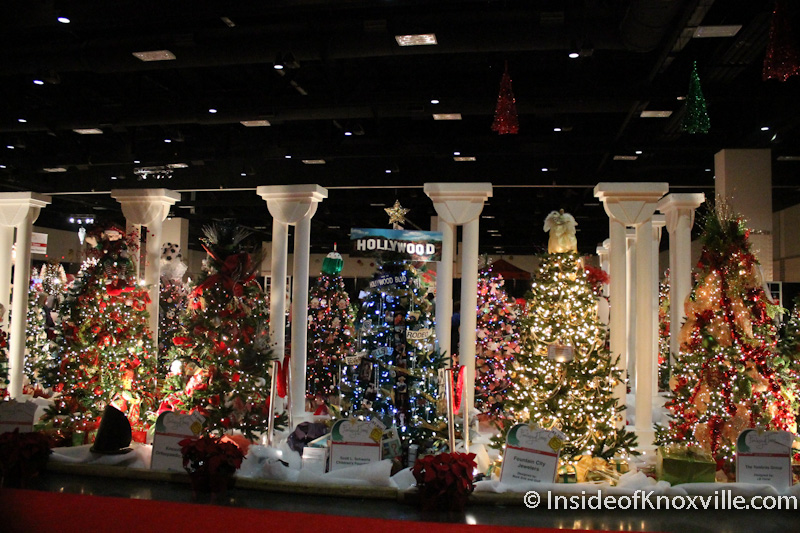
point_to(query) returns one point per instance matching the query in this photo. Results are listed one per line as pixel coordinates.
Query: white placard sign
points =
(355, 442)
(764, 457)
(315, 459)
(17, 415)
(171, 428)
(39, 243)
(531, 455)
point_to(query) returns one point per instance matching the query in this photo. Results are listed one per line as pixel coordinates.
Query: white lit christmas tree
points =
(564, 375)
(497, 343)
(172, 300)
(727, 376)
(330, 331)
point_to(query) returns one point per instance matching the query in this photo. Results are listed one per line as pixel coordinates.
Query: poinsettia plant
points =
(211, 461)
(444, 480)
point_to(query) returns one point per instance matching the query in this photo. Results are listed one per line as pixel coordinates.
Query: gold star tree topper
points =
(397, 213)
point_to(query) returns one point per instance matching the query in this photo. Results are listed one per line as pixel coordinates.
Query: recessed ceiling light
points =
(626, 157)
(434, 101)
(716, 31)
(348, 133)
(10, 146)
(419, 39)
(655, 114)
(23, 121)
(465, 158)
(574, 55)
(388, 171)
(243, 174)
(54, 169)
(113, 177)
(493, 231)
(38, 82)
(764, 128)
(155, 55)
(456, 153)
(497, 235)
(789, 158)
(228, 22)
(681, 98)
(556, 129)
(447, 116)
(638, 152)
(212, 110)
(377, 205)
(314, 161)
(545, 169)
(2, 166)
(287, 156)
(167, 140)
(708, 170)
(88, 131)
(63, 20)
(334, 227)
(487, 216)
(254, 123)
(177, 165)
(136, 161)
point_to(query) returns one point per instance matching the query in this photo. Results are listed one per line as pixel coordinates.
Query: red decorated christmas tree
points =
(330, 328)
(222, 355)
(725, 379)
(497, 343)
(107, 355)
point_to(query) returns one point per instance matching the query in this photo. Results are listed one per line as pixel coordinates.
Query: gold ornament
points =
(397, 213)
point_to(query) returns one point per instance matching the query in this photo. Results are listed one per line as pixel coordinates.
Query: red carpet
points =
(27, 511)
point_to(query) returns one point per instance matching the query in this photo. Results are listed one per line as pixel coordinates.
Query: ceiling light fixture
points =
(228, 22)
(545, 169)
(254, 123)
(447, 116)
(3, 166)
(701, 32)
(556, 129)
(638, 152)
(177, 165)
(574, 55)
(626, 157)
(157, 172)
(23, 121)
(136, 161)
(10, 146)
(54, 169)
(88, 131)
(167, 141)
(456, 153)
(348, 133)
(212, 110)
(434, 101)
(487, 216)
(418, 39)
(764, 128)
(155, 55)
(789, 158)
(38, 82)
(314, 161)
(287, 156)
(655, 114)
(63, 20)
(464, 158)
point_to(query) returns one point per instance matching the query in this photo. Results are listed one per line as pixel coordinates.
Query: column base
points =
(645, 438)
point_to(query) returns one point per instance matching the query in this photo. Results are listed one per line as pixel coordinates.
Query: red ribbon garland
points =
(236, 271)
(458, 389)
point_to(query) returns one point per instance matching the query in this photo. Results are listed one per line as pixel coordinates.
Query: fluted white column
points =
(461, 204)
(302, 244)
(20, 210)
(679, 210)
(149, 207)
(633, 204)
(444, 289)
(630, 295)
(6, 250)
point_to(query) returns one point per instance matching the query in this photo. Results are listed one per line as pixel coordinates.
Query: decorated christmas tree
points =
(172, 300)
(42, 350)
(664, 366)
(788, 360)
(564, 375)
(4, 381)
(394, 374)
(497, 343)
(221, 357)
(107, 355)
(725, 377)
(330, 330)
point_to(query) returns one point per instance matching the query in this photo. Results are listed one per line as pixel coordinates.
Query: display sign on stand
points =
(531, 454)
(171, 428)
(17, 415)
(355, 442)
(764, 457)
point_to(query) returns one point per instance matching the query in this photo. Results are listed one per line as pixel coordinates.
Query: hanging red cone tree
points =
(505, 114)
(696, 119)
(783, 53)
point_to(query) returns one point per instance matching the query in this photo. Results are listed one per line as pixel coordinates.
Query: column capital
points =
(458, 203)
(676, 205)
(14, 206)
(145, 206)
(659, 221)
(630, 203)
(292, 203)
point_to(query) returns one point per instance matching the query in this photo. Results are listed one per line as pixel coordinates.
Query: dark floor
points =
(519, 515)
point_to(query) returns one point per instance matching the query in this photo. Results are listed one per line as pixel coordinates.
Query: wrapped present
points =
(596, 469)
(621, 465)
(567, 474)
(677, 464)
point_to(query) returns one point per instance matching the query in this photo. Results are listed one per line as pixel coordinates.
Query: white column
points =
(302, 243)
(461, 204)
(744, 181)
(679, 210)
(6, 250)
(618, 303)
(19, 210)
(633, 204)
(444, 290)
(291, 204)
(149, 208)
(658, 224)
(630, 295)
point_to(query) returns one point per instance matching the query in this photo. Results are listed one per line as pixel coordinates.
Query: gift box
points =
(567, 474)
(679, 465)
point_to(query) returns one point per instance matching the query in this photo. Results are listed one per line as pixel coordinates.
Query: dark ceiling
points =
(348, 74)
